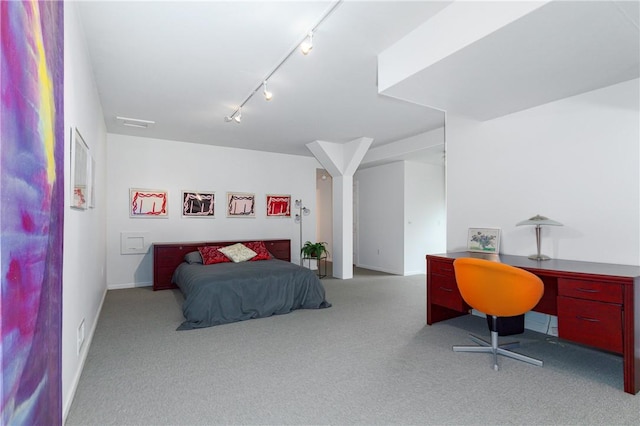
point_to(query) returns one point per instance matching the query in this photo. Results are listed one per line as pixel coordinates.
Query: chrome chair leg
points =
(496, 349)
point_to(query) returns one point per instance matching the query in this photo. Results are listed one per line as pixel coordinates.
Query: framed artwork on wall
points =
(92, 182)
(241, 204)
(79, 171)
(278, 205)
(484, 240)
(198, 204)
(148, 203)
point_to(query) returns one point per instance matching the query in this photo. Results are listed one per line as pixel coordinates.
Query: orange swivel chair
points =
(499, 291)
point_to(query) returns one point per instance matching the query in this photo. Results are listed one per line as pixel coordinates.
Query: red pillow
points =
(211, 255)
(261, 250)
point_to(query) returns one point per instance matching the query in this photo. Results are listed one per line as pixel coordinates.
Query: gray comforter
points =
(230, 292)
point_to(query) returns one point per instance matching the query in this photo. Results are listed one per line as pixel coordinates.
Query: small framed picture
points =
(148, 203)
(278, 205)
(484, 240)
(198, 204)
(79, 171)
(241, 204)
(92, 183)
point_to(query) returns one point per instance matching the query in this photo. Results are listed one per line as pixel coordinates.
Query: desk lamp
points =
(538, 221)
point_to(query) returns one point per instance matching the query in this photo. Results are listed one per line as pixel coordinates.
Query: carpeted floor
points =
(369, 359)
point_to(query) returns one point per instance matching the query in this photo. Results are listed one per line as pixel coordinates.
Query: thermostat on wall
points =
(134, 242)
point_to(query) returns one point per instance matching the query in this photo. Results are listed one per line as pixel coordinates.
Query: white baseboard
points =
(83, 358)
(128, 285)
(379, 269)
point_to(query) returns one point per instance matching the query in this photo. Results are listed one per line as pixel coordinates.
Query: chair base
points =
(495, 349)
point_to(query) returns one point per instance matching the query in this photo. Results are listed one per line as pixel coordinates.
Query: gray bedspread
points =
(230, 292)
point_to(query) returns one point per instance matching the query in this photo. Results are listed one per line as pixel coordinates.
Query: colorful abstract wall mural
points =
(31, 211)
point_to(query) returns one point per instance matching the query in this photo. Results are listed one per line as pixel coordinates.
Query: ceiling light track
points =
(305, 45)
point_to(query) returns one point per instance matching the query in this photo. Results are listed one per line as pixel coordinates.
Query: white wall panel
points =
(84, 257)
(425, 215)
(575, 160)
(381, 218)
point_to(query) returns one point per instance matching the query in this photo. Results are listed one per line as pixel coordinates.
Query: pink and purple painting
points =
(31, 211)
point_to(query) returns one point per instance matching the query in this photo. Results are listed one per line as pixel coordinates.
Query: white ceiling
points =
(187, 65)
(562, 49)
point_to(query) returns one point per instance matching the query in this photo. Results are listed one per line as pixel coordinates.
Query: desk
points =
(594, 302)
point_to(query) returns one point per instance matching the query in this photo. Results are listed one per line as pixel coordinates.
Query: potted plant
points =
(314, 250)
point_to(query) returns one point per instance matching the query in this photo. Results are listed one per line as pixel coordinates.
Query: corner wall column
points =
(341, 162)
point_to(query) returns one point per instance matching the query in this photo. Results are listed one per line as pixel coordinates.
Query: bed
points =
(228, 292)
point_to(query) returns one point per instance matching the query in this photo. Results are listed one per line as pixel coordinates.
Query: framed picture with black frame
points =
(198, 204)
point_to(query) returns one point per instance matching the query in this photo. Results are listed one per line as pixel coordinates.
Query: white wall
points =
(575, 160)
(425, 215)
(84, 261)
(381, 218)
(401, 216)
(135, 162)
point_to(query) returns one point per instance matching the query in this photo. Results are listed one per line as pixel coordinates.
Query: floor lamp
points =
(302, 211)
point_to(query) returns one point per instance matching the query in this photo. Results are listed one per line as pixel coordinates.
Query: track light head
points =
(307, 44)
(267, 94)
(236, 116)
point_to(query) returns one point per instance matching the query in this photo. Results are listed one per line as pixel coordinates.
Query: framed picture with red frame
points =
(278, 205)
(149, 203)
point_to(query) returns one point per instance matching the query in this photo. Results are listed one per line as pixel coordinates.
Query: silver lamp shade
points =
(538, 221)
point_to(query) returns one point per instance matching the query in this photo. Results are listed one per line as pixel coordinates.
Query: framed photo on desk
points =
(484, 240)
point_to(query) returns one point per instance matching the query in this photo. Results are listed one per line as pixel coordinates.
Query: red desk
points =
(594, 302)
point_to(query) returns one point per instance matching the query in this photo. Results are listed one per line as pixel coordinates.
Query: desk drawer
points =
(444, 292)
(592, 323)
(591, 290)
(442, 268)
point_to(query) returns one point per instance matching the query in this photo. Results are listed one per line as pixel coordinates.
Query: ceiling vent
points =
(135, 122)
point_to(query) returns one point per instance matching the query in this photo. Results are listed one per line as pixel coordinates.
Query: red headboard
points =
(167, 257)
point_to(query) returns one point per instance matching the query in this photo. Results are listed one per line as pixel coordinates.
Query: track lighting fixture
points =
(235, 117)
(267, 94)
(307, 44)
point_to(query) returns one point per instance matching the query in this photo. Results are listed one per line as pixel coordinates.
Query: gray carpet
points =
(369, 359)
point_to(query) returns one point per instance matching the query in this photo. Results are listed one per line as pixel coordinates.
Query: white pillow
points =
(238, 252)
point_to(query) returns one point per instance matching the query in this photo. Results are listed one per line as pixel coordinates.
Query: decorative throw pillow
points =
(193, 257)
(261, 250)
(211, 255)
(238, 252)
